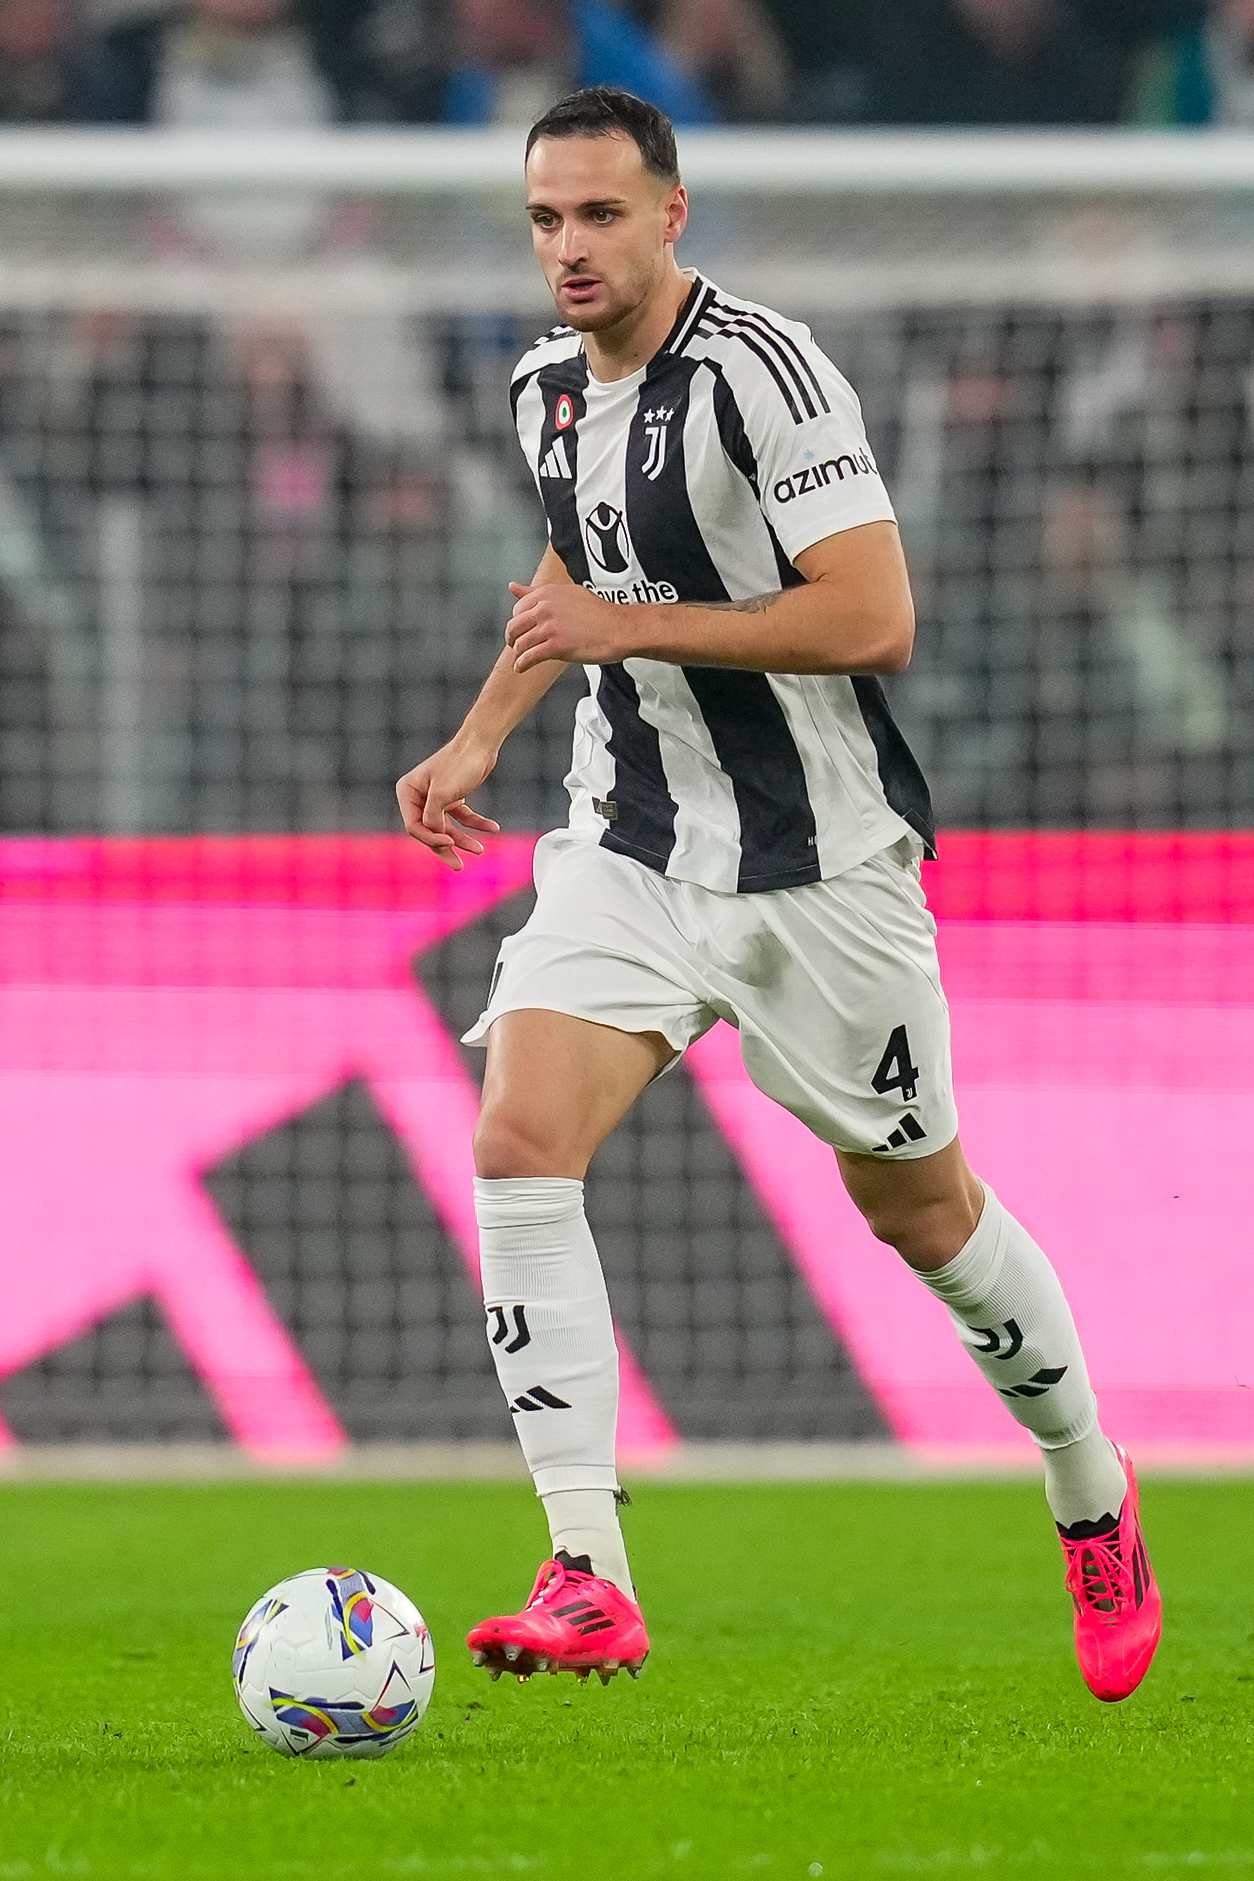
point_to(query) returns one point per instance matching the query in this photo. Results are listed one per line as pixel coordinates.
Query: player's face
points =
(601, 225)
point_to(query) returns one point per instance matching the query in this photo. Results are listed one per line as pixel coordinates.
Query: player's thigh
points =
(554, 1088)
(589, 1001)
(847, 1025)
(601, 944)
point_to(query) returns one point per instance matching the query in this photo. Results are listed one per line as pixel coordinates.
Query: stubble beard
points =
(626, 302)
(589, 322)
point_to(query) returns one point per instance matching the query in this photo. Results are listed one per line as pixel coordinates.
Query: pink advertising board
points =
(164, 1001)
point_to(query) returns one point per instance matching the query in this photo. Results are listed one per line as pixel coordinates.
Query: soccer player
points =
(744, 842)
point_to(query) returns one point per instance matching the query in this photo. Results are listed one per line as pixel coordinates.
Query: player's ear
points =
(676, 213)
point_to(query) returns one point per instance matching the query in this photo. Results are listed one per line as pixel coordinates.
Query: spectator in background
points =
(34, 36)
(403, 58)
(282, 64)
(517, 56)
(223, 65)
(1228, 41)
(968, 62)
(1010, 61)
(1203, 71)
(829, 49)
(731, 47)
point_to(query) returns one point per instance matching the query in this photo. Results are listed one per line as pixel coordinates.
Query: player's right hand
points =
(433, 802)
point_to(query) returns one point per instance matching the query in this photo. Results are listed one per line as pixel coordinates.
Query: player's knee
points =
(889, 1221)
(508, 1144)
(926, 1232)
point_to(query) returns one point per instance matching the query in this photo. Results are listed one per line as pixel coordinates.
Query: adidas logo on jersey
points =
(555, 462)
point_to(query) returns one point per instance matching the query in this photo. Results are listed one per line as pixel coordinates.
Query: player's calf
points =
(1011, 1314)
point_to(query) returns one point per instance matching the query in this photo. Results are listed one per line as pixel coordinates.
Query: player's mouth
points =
(580, 288)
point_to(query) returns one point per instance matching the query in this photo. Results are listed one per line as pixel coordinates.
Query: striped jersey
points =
(699, 478)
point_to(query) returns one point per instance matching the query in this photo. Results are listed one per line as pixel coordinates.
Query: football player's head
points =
(606, 204)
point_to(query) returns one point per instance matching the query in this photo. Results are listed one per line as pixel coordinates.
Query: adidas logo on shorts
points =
(909, 1130)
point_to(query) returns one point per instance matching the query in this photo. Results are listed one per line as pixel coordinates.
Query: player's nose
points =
(572, 249)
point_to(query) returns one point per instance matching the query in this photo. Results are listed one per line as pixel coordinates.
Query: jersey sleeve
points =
(815, 472)
(528, 409)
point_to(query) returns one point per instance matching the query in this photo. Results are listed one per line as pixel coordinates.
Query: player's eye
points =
(603, 216)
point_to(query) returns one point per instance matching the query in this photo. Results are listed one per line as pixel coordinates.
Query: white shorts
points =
(834, 987)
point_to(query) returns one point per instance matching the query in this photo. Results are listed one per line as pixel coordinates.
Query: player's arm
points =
(854, 614)
(433, 795)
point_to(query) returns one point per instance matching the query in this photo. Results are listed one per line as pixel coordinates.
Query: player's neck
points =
(620, 350)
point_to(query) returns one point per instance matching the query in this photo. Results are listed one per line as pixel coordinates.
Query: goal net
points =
(259, 503)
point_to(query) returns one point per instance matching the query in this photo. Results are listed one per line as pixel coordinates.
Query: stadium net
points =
(259, 503)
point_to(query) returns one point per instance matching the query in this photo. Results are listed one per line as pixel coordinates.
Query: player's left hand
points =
(561, 621)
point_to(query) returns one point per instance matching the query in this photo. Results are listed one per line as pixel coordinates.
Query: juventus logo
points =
(500, 1331)
(655, 423)
(990, 1340)
(1006, 1342)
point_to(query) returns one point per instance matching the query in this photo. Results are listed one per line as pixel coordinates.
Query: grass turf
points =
(851, 1680)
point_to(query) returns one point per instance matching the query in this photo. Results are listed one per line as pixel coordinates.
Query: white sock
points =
(1012, 1315)
(585, 1521)
(1080, 1475)
(552, 1340)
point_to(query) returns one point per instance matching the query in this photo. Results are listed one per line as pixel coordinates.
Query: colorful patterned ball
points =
(334, 1663)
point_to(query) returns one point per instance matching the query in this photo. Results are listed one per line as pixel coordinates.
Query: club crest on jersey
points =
(606, 531)
(564, 416)
(655, 424)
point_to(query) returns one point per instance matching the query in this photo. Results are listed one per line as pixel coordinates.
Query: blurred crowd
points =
(252, 548)
(245, 63)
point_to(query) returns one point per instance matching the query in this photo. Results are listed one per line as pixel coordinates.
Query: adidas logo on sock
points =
(536, 1398)
(1037, 1385)
(555, 462)
(909, 1130)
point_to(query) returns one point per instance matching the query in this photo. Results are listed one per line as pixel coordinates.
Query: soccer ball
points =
(333, 1663)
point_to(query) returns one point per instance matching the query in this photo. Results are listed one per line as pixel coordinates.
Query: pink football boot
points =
(573, 1622)
(1118, 1608)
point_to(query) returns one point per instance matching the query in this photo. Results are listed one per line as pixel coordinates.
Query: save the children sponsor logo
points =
(606, 531)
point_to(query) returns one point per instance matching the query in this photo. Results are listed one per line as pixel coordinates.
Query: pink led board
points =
(164, 1001)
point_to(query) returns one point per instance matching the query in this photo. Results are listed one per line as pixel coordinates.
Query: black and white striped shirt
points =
(699, 478)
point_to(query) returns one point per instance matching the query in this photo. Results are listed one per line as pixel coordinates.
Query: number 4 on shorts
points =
(894, 1071)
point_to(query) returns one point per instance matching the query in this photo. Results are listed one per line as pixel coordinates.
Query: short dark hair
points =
(603, 111)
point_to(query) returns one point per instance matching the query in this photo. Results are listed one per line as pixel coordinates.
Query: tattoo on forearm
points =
(751, 604)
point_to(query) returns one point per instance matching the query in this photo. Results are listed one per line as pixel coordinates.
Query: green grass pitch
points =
(853, 1680)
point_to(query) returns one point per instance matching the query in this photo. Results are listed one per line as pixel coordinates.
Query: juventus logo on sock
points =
(990, 1340)
(500, 1331)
